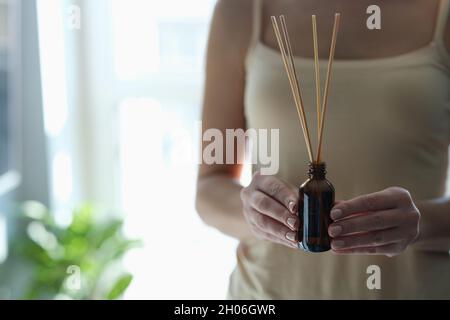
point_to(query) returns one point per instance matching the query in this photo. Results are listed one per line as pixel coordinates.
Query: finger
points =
(370, 239)
(381, 200)
(272, 208)
(271, 226)
(267, 236)
(389, 250)
(379, 220)
(279, 191)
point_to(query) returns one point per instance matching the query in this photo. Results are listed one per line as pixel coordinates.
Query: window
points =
(157, 61)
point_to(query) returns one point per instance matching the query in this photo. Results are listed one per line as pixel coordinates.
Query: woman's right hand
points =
(271, 211)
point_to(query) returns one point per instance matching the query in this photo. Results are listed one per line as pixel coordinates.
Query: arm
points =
(266, 209)
(434, 225)
(218, 191)
(219, 205)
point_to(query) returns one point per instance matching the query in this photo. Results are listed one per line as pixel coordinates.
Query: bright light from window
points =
(62, 186)
(53, 73)
(150, 35)
(62, 176)
(141, 158)
(135, 32)
(181, 258)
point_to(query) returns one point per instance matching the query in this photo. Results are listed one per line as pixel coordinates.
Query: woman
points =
(386, 148)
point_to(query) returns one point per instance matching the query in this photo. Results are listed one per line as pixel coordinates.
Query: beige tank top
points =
(388, 124)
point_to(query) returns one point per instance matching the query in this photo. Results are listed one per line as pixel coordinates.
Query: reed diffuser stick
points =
(337, 18)
(297, 84)
(313, 236)
(317, 71)
(293, 81)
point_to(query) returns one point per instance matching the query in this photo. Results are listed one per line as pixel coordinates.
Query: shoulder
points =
(232, 9)
(232, 22)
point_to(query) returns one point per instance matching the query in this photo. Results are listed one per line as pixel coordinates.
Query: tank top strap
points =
(441, 21)
(256, 26)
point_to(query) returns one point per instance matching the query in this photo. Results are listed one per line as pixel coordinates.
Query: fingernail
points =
(293, 207)
(338, 244)
(290, 236)
(336, 214)
(291, 222)
(335, 230)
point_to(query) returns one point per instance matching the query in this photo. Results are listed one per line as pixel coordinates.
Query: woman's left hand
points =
(381, 223)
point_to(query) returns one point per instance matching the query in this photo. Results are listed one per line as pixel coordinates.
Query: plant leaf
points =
(101, 234)
(82, 220)
(119, 287)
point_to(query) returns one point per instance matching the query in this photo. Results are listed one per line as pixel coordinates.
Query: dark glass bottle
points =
(315, 203)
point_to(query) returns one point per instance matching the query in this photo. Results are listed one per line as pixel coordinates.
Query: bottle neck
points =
(317, 170)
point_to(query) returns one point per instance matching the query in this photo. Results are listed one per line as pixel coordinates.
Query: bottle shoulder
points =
(314, 184)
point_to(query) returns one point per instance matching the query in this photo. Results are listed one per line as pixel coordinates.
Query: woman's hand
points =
(381, 223)
(270, 209)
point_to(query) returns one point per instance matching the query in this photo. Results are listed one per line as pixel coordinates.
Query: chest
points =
(403, 99)
(405, 26)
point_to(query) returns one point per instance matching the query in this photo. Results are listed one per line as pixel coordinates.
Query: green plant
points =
(78, 261)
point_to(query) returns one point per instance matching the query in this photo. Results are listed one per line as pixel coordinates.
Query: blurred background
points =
(99, 137)
(99, 109)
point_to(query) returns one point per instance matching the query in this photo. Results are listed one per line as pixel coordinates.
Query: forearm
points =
(434, 225)
(219, 205)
